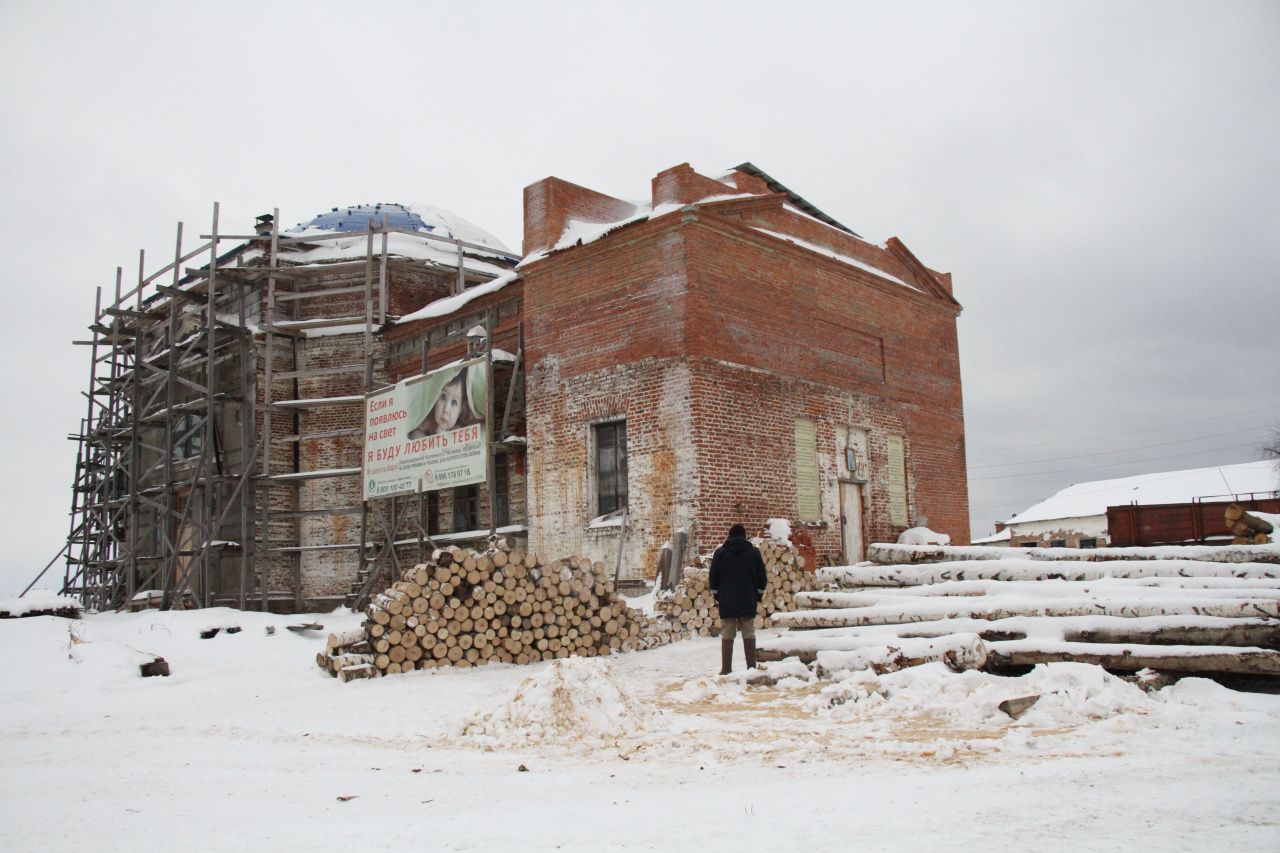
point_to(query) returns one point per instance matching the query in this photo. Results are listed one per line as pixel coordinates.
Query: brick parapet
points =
(551, 203)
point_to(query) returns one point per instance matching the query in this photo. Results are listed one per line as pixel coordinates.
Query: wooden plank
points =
(422, 235)
(328, 473)
(320, 294)
(319, 402)
(320, 371)
(318, 323)
(269, 351)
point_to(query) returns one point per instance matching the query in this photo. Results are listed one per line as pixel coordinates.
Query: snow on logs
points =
(872, 611)
(466, 608)
(1171, 614)
(958, 651)
(896, 555)
(692, 608)
(1024, 569)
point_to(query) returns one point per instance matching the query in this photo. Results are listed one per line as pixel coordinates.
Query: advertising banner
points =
(427, 432)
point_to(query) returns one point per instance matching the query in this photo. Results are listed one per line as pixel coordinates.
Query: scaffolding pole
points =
(159, 486)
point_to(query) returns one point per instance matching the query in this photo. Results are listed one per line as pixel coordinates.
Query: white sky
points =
(1101, 179)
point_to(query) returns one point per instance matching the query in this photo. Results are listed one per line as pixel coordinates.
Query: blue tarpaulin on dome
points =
(356, 218)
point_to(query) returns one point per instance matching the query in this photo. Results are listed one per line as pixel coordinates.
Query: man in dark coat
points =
(737, 581)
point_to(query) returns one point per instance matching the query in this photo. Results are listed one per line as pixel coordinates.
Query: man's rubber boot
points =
(726, 655)
(749, 646)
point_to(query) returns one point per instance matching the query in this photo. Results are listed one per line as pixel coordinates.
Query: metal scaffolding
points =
(188, 470)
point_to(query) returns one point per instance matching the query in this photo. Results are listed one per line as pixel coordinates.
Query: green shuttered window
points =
(897, 481)
(807, 504)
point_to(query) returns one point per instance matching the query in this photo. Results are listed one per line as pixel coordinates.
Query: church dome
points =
(412, 217)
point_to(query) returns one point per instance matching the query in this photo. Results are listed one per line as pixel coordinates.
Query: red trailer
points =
(1200, 522)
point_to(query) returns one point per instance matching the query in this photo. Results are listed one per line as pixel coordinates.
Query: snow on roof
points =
(421, 218)
(845, 259)
(37, 601)
(413, 217)
(1169, 487)
(579, 232)
(446, 306)
(1003, 536)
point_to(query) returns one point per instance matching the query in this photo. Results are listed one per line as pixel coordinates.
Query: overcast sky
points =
(1102, 179)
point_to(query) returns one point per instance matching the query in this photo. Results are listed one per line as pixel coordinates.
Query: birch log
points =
(1021, 569)
(997, 591)
(921, 610)
(1132, 657)
(886, 554)
(958, 651)
(1154, 630)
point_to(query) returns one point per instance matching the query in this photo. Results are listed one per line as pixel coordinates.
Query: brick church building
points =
(725, 352)
(722, 352)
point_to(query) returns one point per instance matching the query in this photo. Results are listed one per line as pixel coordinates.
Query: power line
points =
(1119, 450)
(998, 506)
(1170, 476)
(1113, 464)
(1129, 432)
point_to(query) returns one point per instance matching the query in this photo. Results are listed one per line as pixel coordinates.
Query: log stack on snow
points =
(1247, 529)
(466, 608)
(691, 607)
(348, 655)
(1149, 612)
(40, 602)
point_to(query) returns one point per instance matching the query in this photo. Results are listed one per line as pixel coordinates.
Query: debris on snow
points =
(572, 700)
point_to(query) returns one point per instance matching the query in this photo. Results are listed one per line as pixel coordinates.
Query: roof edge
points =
(795, 198)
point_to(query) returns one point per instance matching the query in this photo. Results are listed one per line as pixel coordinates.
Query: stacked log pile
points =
(1172, 615)
(466, 608)
(16, 608)
(348, 655)
(1247, 529)
(692, 608)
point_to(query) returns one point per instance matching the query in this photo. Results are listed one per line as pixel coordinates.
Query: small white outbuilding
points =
(1076, 517)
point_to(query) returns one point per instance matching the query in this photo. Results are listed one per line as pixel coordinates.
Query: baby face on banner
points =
(448, 408)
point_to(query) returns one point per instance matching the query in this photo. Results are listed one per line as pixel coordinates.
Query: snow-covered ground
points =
(248, 745)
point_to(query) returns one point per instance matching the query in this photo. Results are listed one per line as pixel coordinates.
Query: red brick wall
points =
(764, 331)
(866, 354)
(551, 203)
(746, 183)
(653, 396)
(681, 184)
(745, 444)
(611, 302)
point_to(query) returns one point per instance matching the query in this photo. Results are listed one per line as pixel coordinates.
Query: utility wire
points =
(1129, 432)
(1119, 450)
(1114, 464)
(1029, 502)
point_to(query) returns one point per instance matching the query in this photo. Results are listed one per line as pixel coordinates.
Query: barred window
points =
(501, 491)
(466, 508)
(188, 437)
(611, 466)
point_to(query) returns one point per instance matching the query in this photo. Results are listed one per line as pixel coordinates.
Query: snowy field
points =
(249, 746)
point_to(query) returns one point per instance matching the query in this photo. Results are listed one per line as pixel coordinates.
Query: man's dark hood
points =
(737, 544)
